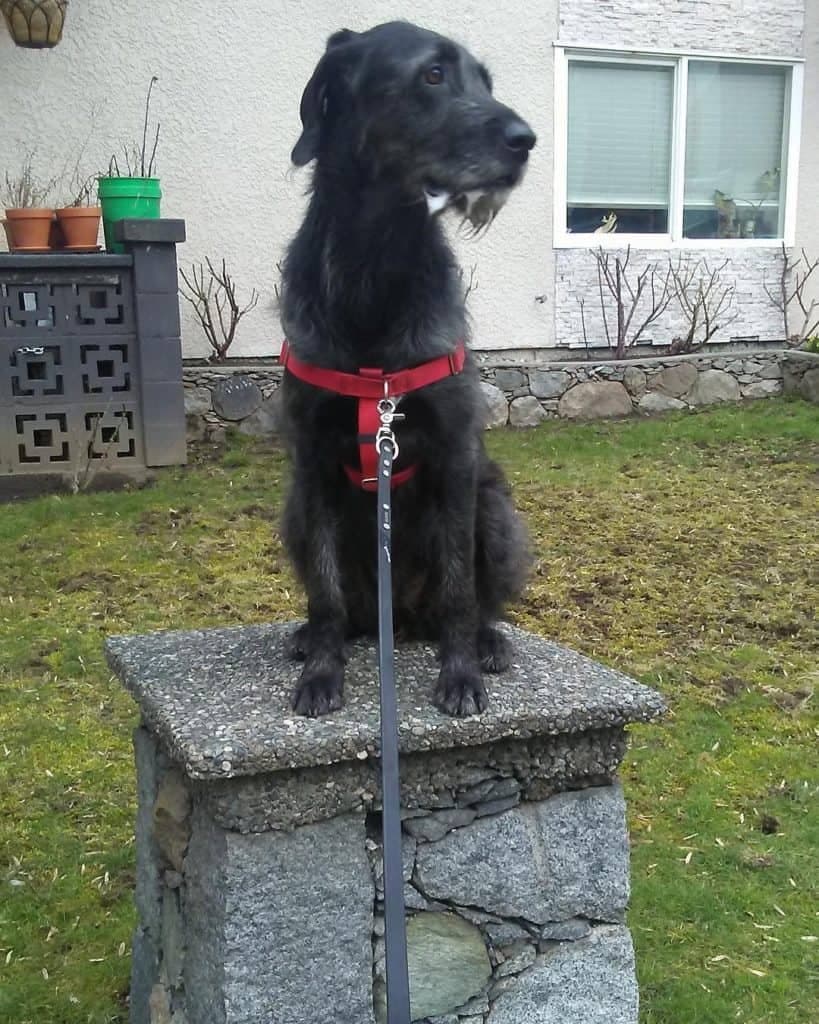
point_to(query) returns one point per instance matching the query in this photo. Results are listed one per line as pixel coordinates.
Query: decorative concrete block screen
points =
(90, 359)
(259, 876)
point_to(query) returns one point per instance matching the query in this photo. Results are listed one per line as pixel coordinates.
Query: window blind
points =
(619, 134)
(734, 127)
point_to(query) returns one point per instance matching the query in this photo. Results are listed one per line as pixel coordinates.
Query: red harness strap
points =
(369, 386)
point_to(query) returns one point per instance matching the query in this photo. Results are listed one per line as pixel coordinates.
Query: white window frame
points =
(679, 60)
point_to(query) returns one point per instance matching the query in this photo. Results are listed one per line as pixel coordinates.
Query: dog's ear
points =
(314, 100)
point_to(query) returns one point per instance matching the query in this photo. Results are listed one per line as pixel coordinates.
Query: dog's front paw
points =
(298, 643)
(319, 693)
(460, 692)
(494, 650)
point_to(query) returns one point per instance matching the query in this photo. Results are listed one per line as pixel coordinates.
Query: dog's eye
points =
(434, 75)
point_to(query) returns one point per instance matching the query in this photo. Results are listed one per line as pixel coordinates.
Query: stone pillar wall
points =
(259, 872)
(152, 246)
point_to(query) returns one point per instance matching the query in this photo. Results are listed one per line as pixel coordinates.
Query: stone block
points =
(595, 400)
(762, 389)
(508, 380)
(809, 388)
(263, 421)
(547, 383)
(280, 925)
(590, 981)
(526, 412)
(675, 380)
(658, 401)
(713, 386)
(634, 381)
(497, 405)
(571, 860)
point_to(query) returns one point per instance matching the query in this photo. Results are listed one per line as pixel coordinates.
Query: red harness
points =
(369, 386)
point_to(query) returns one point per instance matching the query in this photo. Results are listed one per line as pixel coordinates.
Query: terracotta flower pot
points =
(29, 229)
(7, 231)
(80, 226)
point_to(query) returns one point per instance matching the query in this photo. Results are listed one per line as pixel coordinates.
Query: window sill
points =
(613, 240)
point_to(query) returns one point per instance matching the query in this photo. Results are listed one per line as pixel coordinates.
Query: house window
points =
(620, 123)
(674, 149)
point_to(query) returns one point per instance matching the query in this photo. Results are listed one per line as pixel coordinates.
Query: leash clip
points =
(388, 416)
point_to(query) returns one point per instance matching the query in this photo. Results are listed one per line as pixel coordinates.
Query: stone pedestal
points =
(259, 877)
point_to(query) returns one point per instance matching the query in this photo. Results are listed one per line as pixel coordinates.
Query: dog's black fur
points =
(389, 116)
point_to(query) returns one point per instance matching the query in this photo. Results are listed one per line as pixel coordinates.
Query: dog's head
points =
(415, 109)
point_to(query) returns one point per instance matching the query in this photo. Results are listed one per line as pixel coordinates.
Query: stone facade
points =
(757, 319)
(259, 872)
(523, 394)
(730, 26)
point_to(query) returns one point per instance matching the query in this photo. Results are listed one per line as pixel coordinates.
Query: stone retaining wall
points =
(259, 873)
(800, 375)
(525, 395)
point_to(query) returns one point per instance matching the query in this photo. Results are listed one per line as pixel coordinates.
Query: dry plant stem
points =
(83, 475)
(25, 191)
(792, 286)
(627, 298)
(704, 302)
(472, 283)
(215, 304)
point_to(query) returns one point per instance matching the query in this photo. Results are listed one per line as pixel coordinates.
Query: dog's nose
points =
(518, 136)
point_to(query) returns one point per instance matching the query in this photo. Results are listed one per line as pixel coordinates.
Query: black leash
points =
(395, 932)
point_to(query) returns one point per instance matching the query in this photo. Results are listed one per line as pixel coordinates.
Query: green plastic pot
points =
(121, 198)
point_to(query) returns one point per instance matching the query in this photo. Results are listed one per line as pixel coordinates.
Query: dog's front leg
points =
(321, 686)
(459, 690)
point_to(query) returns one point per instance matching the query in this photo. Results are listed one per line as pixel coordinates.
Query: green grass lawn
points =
(683, 550)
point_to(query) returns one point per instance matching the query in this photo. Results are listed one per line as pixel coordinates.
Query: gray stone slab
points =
(448, 963)
(286, 919)
(547, 383)
(570, 859)
(144, 975)
(436, 825)
(204, 972)
(587, 982)
(147, 891)
(220, 699)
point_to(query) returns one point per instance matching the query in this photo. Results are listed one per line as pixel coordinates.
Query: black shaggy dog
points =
(402, 124)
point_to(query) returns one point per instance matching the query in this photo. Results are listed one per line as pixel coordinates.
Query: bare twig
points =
(472, 284)
(628, 298)
(26, 190)
(704, 301)
(84, 474)
(215, 304)
(151, 85)
(793, 287)
(137, 162)
(582, 303)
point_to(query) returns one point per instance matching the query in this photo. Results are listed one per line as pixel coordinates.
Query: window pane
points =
(734, 170)
(619, 146)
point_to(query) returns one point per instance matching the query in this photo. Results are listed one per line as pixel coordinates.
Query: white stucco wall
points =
(807, 209)
(231, 76)
(230, 79)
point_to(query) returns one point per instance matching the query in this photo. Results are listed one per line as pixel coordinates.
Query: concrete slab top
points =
(219, 699)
